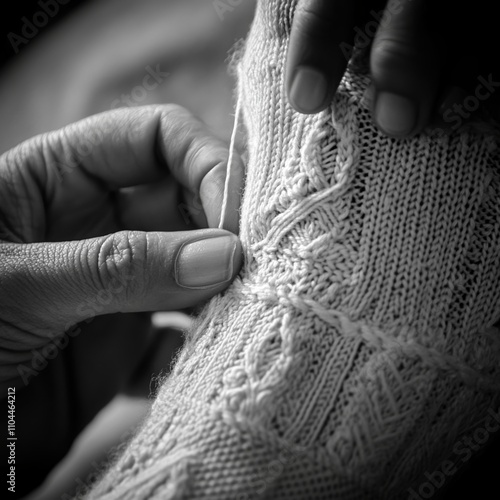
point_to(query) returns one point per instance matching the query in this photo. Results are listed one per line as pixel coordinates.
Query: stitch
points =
(359, 334)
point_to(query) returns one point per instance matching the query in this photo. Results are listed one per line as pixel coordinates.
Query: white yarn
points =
(230, 163)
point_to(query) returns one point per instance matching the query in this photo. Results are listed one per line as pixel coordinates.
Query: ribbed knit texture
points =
(357, 346)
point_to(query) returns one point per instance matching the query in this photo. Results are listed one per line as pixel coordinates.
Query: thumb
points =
(59, 284)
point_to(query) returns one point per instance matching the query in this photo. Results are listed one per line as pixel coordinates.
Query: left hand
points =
(96, 219)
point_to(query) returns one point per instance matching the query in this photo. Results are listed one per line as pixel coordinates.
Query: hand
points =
(430, 62)
(85, 215)
(65, 232)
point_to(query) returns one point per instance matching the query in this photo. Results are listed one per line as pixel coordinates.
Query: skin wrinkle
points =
(44, 165)
(20, 183)
(161, 155)
(17, 307)
(158, 143)
(192, 153)
(187, 156)
(38, 255)
(165, 129)
(149, 142)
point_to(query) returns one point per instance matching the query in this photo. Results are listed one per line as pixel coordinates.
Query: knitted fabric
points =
(357, 346)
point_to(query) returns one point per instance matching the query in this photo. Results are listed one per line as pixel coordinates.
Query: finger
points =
(318, 52)
(129, 147)
(404, 64)
(68, 282)
(143, 208)
(203, 170)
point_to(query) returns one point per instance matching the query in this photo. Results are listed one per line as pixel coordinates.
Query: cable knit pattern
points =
(357, 346)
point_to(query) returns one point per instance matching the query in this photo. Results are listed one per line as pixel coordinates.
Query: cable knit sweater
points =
(357, 347)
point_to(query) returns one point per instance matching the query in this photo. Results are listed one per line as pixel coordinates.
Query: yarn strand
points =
(230, 161)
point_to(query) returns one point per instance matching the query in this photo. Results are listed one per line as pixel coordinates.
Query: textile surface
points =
(357, 346)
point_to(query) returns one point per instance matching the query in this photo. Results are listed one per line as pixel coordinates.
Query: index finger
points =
(318, 53)
(129, 147)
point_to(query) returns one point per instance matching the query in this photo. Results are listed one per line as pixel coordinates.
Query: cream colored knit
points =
(356, 348)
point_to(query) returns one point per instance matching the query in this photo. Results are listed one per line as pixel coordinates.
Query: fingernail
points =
(309, 90)
(396, 115)
(205, 263)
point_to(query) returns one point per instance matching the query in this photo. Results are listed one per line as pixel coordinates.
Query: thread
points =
(230, 161)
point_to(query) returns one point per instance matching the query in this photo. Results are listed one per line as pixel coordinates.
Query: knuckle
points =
(393, 53)
(397, 56)
(122, 262)
(312, 22)
(173, 113)
(308, 12)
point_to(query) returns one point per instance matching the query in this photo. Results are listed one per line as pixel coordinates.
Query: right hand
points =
(430, 61)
